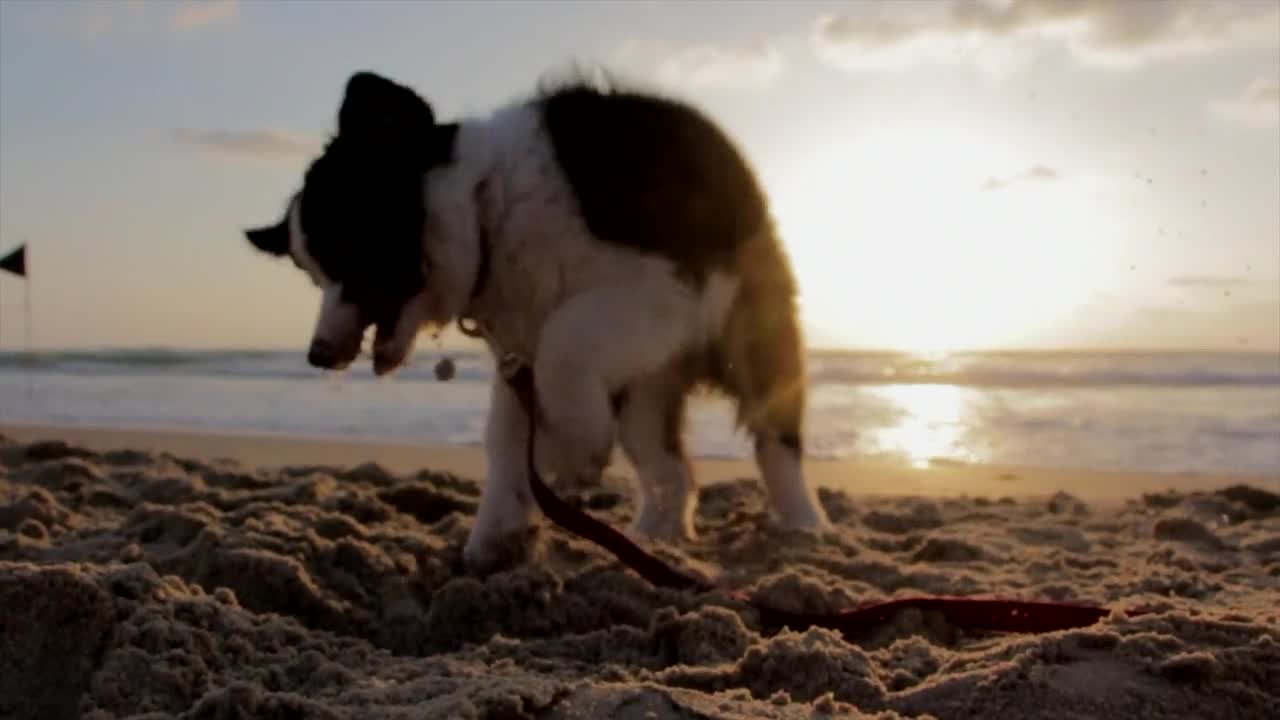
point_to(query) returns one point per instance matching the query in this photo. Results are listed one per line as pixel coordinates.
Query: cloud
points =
(744, 66)
(1035, 173)
(1002, 35)
(197, 14)
(1211, 282)
(91, 20)
(1238, 324)
(249, 143)
(1257, 104)
(1219, 325)
(99, 19)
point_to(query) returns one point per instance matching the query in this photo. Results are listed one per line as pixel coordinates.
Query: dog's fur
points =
(616, 241)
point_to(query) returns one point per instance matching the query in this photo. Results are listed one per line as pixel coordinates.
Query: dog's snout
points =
(323, 355)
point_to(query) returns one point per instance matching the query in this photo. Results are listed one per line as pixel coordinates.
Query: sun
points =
(897, 244)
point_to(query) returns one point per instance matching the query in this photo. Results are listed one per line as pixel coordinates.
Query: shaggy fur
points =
(617, 242)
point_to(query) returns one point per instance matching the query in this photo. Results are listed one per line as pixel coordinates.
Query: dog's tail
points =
(761, 348)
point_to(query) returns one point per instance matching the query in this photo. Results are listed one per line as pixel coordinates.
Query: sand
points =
(139, 581)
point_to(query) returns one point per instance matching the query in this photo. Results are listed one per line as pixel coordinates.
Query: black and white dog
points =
(617, 242)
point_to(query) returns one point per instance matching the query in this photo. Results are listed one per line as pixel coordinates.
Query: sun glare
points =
(932, 426)
(897, 243)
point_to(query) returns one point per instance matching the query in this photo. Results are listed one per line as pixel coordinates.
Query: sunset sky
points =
(947, 175)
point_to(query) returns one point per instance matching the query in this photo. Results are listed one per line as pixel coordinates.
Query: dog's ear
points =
(377, 110)
(443, 138)
(270, 239)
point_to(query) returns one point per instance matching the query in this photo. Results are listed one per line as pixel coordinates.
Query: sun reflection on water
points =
(933, 423)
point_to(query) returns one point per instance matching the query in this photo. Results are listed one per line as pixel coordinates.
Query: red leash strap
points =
(963, 612)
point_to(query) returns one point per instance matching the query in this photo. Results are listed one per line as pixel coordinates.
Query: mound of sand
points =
(144, 585)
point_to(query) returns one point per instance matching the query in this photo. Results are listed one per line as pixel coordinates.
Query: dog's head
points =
(357, 226)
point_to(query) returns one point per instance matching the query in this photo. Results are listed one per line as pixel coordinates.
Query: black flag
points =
(16, 261)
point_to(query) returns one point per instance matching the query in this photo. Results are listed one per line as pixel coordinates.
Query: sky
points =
(1012, 174)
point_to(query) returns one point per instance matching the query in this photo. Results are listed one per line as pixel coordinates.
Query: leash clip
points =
(509, 365)
(470, 327)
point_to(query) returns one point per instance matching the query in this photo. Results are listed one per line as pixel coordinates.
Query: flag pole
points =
(26, 311)
(26, 294)
(16, 262)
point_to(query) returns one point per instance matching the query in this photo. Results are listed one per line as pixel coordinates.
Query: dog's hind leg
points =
(650, 422)
(779, 455)
(765, 369)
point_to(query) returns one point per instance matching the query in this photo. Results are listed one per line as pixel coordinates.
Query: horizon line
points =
(816, 349)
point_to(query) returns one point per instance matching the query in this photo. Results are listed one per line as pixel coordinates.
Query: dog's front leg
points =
(503, 522)
(590, 348)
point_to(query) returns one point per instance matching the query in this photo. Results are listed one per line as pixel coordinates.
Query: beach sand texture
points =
(139, 583)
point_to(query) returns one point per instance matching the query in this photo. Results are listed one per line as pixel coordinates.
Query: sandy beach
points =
(1002, 276)
(185, 575)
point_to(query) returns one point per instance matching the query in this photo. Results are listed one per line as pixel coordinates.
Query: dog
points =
(617, 241)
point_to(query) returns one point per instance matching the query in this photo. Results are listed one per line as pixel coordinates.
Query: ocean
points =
(1165, 412)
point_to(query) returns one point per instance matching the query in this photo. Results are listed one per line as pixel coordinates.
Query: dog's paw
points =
(492, 553)
(810, 521)
(670, 528)
(801, 511)
(568, 463)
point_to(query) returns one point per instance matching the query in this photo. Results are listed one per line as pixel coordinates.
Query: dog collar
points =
(467, 322)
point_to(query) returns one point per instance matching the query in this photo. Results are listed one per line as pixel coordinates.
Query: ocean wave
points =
(247, 364)
(1013, 378)
(989, 370)
(1051, 370)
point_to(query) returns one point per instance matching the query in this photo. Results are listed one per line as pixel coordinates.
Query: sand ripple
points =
(144, 585)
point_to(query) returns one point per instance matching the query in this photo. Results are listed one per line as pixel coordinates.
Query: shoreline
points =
(268, 450)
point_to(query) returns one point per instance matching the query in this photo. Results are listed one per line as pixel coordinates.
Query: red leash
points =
(962, 612)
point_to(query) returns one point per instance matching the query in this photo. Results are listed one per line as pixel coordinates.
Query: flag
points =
(16, 261)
